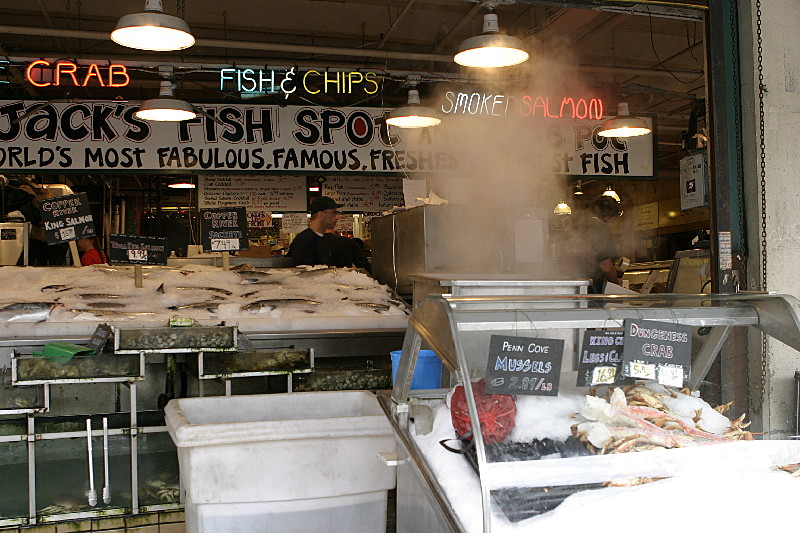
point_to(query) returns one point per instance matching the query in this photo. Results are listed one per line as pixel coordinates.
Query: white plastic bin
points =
(283, 462)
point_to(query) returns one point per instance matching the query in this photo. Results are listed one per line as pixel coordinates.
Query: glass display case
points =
(649, 277)
(552, 425)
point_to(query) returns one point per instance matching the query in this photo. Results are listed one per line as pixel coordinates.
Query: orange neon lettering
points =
(547, 107)
(33, 66)
(582, 110)
(539, 102)
(93, 71)
(567, 101)
(596, 105)
(66, 67)
(118, 70)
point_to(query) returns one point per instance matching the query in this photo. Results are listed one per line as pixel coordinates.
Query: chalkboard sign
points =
(600, 358)
(223, 230)
(137, 250)
(520, 365)
(67, 218)
(99, 341)
(659, 351)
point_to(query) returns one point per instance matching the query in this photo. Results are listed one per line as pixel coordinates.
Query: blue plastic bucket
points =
(427, 373)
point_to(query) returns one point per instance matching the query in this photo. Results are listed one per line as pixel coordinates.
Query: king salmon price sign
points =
(137, 250)
(659, 351)
(67, 218)
(224, 229)
(600, 358)
(520, 365)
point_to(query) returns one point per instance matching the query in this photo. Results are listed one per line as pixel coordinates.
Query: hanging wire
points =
(660, 61)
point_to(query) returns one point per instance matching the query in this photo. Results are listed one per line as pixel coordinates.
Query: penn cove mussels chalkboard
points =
(224, 229)
(67, 218)
(137, 250)
(523, 365)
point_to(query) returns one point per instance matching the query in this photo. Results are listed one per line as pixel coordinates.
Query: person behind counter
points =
(593, 246)
(345, 252)
(91, 251)
(310, 246)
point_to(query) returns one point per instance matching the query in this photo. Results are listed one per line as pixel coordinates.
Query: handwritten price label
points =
(137, 255)
(224, 245)
(671, 376)
(641, 370)
(67, 234)
(603, 375)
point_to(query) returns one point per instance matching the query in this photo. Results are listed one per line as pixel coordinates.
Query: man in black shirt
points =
(310, 247)
(592, 247)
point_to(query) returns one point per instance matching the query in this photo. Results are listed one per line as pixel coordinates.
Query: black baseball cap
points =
(323, 203)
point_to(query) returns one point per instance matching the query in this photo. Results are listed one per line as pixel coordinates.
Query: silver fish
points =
(110, 313)
(258, 305)
(256, 276)
(316, 272)
(107, 305)
(210, 306)
(99, 296)
(27, 312)
(215, 289)
(376, 305)
(55, 288)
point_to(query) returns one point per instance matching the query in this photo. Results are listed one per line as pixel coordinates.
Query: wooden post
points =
(137, 276)
(76, 257)
(226, 260)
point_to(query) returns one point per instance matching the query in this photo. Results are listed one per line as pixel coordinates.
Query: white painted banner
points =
(107, 137)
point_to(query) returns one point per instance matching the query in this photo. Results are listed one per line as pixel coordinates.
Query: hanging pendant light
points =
(166, 108)
(413, 115)
(623, 125)
(578, 189)
(562, 208)
(491, 49)
(181, 183)
(153, 30)
(611, 192)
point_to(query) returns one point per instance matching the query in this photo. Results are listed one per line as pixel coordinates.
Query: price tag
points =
(137, 255)
(603, 375)
(67, 234)
(639, 370)
(670, 375)
(223, 245)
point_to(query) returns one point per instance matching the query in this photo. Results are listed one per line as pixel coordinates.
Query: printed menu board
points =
(364, 193)
(255, 193)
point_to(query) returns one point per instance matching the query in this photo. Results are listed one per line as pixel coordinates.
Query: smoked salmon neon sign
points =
(42, 73)
(500, 105)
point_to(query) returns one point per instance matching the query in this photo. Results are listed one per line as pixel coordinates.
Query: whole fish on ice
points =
(294, 303)
(26, 312)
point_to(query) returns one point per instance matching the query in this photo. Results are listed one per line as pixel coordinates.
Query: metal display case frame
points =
(443, 320)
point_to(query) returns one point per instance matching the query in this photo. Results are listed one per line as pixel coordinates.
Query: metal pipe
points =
(242, 45)
(403, 13)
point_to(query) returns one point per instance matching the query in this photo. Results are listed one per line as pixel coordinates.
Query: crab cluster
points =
(637, 419)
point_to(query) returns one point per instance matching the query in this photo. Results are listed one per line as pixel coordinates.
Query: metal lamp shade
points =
(165, 110)
(413, 116)
(624, 126)
(152, 30)
(491, 51)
